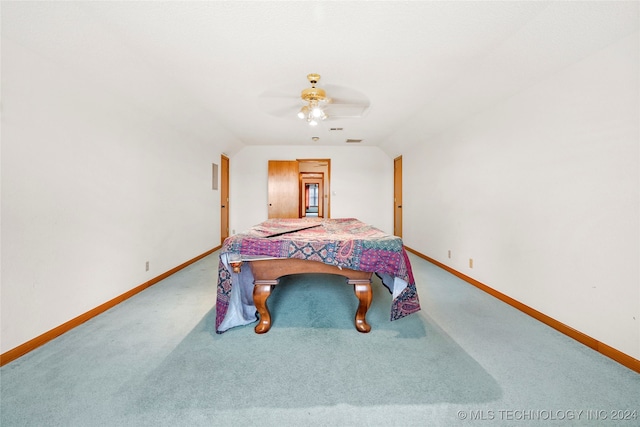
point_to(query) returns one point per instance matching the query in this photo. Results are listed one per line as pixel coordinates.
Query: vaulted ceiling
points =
(241, 65)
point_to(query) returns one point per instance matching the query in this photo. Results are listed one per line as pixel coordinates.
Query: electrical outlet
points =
(449, 254)
(146, 266)
(470, 262)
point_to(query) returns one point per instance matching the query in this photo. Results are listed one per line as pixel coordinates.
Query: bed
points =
(252, 262)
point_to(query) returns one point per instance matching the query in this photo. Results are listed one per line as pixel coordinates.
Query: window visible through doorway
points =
(311, 199)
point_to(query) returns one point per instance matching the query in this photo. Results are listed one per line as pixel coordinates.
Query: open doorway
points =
(311, 194)
(314, 176)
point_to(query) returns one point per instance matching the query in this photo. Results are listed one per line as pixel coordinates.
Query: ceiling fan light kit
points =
(315, 98)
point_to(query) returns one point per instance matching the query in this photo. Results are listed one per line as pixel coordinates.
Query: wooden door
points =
(397, 196)
(283, 189)
(224, 198)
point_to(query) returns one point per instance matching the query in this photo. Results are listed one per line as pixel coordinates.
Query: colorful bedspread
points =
(345, 243)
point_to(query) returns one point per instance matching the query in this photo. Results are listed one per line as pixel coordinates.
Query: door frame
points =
(312, 178)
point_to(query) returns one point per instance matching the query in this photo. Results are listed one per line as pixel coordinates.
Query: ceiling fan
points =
(314, 104)
(316, 99)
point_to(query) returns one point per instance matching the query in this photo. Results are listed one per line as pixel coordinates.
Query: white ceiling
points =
(197, 64)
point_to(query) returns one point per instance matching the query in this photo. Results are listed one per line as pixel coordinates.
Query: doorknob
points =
(400, 206)
(223, 206)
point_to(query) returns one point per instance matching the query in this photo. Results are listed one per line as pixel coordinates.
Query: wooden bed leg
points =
(261, 292)
(362, 289)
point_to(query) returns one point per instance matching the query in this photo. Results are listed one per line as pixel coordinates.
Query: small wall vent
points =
(353, 141)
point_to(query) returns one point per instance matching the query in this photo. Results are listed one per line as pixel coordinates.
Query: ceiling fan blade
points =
(342, 102)
(283, 111)
(349, 101)
(278, 93)
(344, 110)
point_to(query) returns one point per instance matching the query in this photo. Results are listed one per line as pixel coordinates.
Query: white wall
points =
(542, 191)
(92, 188)
(361, 183)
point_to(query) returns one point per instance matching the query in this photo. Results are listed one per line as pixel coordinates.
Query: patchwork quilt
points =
(343, 242)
